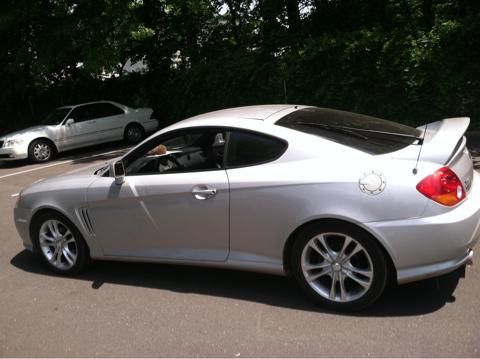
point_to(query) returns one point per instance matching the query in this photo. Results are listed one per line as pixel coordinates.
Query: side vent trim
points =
(87, 223)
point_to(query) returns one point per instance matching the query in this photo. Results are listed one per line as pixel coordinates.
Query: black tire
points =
(82, 252)
(134, 133)
(41, 151)
(377, 265)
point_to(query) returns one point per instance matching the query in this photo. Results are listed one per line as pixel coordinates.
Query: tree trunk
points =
(382, 14)
(234, 20)
(293, 13)
(428, 14)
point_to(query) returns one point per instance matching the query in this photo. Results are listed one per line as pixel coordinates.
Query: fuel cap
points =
(372, 182)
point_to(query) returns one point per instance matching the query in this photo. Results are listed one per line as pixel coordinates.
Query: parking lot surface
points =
(129, 309)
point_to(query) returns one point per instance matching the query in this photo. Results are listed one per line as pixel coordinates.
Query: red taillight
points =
(443, 187)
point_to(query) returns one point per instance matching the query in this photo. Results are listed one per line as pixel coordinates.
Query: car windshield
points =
(56, 117)
(364, 133)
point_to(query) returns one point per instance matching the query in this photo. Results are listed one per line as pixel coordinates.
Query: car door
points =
(110, 122)
(172, 205)
(260, 201)
(83, 130)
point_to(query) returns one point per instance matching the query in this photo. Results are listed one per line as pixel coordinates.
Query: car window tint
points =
(198, 150)
(80, 114)
(248, 148)
(352, 129)
(107, 110)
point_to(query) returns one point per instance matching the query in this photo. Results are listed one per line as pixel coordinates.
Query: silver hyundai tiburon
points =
(342, 202)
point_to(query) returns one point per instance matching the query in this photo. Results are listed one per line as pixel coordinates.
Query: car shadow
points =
(411, 299)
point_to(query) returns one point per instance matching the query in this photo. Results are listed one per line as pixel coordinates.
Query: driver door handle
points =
(202, 192)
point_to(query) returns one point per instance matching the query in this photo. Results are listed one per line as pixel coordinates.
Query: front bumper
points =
(21, 217)
(13, 153)
(430, 246)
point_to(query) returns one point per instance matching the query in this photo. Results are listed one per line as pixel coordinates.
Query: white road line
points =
(15, 194)
(35, 169)
(57, 164)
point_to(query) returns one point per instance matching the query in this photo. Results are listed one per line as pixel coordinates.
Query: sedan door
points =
(174, 203)
(110, 122)
(83, 131)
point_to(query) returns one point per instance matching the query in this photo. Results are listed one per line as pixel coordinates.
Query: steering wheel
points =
(170, 157)
(174, 160)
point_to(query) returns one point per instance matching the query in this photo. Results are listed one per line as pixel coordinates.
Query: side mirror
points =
(117, 171)
(69, 122)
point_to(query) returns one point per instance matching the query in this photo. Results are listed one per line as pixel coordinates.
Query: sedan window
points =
(82, 113)
(248, 148)
(107, 110)
(56, 117)
(184, 152)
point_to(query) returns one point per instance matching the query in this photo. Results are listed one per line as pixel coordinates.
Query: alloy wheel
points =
(58, 244)
(337, 267)
(134, 134)
(42, 151)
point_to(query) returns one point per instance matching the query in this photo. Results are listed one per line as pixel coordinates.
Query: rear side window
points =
(364, 133)
(107, 110)
(248, 148)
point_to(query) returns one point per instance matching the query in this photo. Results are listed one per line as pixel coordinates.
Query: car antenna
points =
(420, 150)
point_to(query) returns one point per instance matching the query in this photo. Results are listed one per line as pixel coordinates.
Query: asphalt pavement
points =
(129, 309)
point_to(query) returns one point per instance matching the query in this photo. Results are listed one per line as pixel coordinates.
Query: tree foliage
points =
(408, 60)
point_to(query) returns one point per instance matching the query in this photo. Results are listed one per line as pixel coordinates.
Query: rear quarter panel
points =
(268, 202)
(142, 116)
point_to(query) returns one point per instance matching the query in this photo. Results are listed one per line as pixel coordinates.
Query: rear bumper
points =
(151, 125)
(433, 270)
(430, 246)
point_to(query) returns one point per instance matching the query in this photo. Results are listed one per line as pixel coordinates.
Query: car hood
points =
(74, 180)
(27, 131)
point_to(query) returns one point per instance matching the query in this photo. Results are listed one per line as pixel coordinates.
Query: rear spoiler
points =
(442, 139)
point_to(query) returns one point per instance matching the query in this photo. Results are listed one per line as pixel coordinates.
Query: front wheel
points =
(339, 266)
(60, 245)
(41, 151)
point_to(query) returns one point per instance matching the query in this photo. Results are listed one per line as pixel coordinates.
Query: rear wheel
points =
(41, 151)
(60, 245)
(134, 133)
(339, 266)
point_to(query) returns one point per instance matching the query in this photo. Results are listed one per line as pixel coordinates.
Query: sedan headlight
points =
(13, 142)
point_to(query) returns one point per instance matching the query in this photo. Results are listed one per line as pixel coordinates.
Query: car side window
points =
(80, 114)
(251, 148)
(95, 111)
(196, 150)
(107, 110)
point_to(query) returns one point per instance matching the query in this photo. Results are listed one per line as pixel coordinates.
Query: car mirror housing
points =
(70, 122)
(117, 171)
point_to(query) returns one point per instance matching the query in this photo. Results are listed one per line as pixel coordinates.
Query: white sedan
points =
(71, 127)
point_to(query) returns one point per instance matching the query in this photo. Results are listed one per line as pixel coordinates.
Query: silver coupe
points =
(71, 127)
(342, 202)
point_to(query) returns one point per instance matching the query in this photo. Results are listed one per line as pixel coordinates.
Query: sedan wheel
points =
(40, 151)
(59, 243)
(340, 267)
(133, 134)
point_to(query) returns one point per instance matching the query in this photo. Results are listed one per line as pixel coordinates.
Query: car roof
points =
(90, 103)
(265, 113)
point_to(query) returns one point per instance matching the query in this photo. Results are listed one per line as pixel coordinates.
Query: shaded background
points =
(413, 61)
